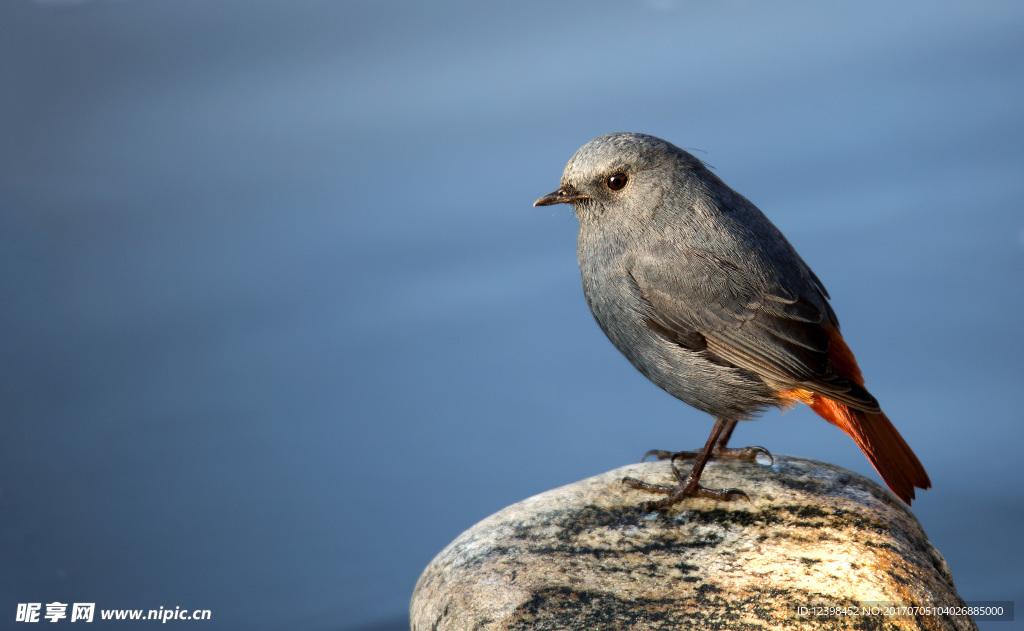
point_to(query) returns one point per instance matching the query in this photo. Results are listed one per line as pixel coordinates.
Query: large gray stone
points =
(584, 556)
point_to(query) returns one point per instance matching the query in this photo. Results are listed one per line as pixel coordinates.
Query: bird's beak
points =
(561, 196)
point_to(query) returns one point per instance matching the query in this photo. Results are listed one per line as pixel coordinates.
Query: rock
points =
(584, 556)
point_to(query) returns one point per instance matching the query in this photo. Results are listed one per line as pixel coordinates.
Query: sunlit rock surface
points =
(585, 556)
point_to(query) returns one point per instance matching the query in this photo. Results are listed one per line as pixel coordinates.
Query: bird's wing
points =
(778, 329)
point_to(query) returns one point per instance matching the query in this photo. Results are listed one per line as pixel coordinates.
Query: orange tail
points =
(872, 431)
(881, 443)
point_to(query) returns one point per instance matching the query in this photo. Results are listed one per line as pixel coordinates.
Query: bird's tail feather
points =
(881, 443)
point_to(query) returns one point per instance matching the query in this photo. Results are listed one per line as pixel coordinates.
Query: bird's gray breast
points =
(606, 259)
(612, 295)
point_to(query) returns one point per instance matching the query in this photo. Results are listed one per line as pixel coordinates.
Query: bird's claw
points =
(662, 454)
(740, 453)
(678, 493)
(745, 453)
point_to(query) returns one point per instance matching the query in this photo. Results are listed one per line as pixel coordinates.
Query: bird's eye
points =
(618, 181)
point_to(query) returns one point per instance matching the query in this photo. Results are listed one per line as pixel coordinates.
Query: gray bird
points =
(706, 298)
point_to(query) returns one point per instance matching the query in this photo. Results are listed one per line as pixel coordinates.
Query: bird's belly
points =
(722, 391)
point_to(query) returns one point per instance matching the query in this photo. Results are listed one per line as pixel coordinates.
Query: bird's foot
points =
(749, 454)
(661, 454)
(689, 485)
(680, 492)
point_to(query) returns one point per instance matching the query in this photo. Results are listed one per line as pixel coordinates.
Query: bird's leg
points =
(689, 486)
(720, 450)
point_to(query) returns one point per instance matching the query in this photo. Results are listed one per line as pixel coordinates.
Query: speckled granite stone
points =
(584, 556)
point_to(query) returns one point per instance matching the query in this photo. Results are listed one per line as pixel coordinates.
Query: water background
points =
(278, 321)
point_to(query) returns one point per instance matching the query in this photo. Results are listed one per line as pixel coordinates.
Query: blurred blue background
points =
(278, 321)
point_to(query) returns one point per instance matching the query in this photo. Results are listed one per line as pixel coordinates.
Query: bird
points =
(697, 288)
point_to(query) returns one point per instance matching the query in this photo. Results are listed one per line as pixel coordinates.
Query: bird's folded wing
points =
(777, 329)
